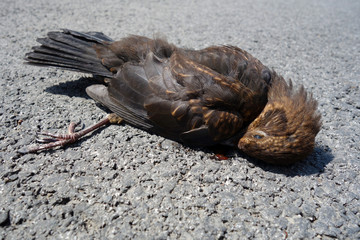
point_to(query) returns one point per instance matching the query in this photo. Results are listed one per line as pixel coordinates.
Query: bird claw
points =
(48, 134)
(49, 140)
(45, 140)
(76, 125)
(51, 137)
(47, 137)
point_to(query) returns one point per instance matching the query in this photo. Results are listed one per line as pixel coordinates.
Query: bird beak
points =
(241, 139)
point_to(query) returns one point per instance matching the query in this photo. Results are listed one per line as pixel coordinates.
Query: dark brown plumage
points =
(217, 95)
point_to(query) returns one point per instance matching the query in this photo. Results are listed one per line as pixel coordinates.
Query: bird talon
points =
(80, 127)
(45, 140)
(73, 125)
(48, 134)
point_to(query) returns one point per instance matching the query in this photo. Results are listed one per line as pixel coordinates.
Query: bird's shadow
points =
(313, 164)
(74, 88)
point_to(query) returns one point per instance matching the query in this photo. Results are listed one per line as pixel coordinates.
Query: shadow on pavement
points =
(74, 88)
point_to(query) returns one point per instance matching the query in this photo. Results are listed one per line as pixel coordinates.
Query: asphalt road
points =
(123, 183)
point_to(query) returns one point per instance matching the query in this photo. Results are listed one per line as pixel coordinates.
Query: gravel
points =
(123, 183)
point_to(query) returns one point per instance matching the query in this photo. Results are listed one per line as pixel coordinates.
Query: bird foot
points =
(50, 140)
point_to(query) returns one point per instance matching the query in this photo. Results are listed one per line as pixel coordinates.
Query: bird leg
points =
(55, 140)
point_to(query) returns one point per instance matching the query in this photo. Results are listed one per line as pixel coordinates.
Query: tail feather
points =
(55, 53)
(70, 50)
(40, 59)
(93, 36)
(59, 46)
(71, 40)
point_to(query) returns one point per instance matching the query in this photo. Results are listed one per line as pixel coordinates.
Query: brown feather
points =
(287, 126)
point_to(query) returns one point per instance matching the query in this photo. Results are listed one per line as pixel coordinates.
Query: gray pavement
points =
(123, 183)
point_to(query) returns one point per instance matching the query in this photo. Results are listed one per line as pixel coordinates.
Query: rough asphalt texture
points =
(123, 183)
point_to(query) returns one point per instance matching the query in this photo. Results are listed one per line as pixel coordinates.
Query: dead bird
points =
(216, 95)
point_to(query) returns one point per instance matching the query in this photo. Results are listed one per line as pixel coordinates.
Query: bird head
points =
(285, 130)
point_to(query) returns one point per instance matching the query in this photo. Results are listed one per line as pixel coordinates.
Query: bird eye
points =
(266, 75)
(257, 136)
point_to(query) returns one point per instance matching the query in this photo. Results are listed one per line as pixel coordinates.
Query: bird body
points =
(217, 95)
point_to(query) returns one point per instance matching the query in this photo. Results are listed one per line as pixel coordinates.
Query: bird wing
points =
(198, 104)
(178, 94)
